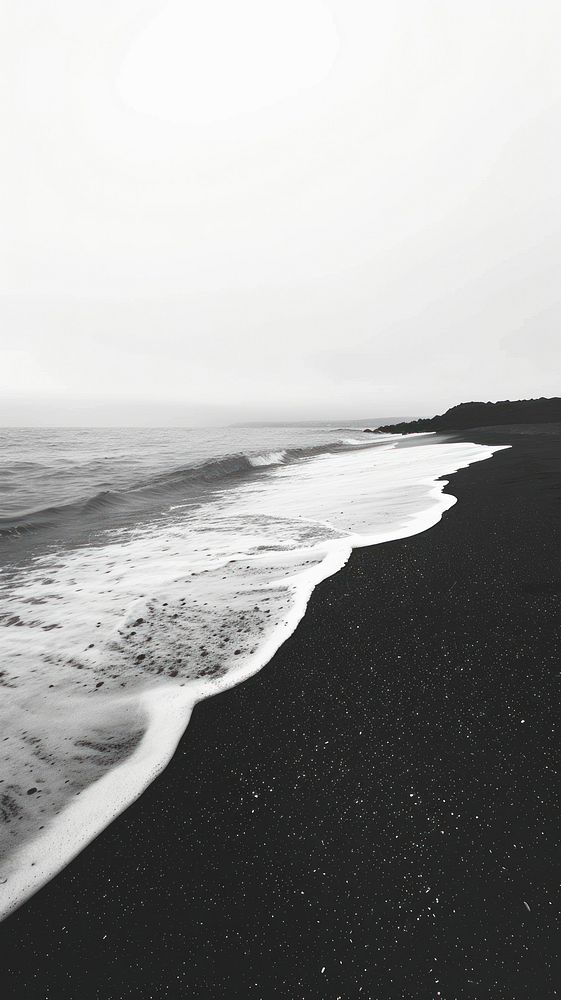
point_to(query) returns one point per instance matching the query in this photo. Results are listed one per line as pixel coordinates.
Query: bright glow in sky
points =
(277, 208)
(210, 61)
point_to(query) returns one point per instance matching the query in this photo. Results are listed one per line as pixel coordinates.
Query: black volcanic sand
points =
(376, 814)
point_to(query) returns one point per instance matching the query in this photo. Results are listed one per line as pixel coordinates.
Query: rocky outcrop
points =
(506, 411)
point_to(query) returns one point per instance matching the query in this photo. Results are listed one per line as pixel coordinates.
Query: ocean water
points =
(142, 570)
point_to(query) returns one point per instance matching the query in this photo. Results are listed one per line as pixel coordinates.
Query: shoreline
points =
(168, 709)
(253, 894)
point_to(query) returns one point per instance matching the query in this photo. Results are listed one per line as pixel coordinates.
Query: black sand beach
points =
(376, 814)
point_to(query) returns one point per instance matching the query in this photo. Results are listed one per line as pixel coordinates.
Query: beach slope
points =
(374, 814)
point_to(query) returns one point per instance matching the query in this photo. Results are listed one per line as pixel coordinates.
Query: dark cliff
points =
(506, 411)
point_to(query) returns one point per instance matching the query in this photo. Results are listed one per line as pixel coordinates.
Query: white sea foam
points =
(269, 458)
(109, 647)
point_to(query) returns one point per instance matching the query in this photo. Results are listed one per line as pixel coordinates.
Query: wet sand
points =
(375, 814)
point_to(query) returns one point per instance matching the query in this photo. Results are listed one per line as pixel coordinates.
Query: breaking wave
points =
(182, 484)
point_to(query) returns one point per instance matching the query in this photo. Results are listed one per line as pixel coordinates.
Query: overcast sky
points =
(281, 208)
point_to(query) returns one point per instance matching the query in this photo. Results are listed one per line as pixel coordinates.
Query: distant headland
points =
(464, 415)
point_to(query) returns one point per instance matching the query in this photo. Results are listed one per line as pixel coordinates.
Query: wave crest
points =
(269, 458)
(186, 483)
